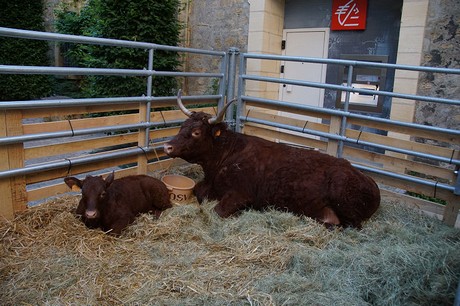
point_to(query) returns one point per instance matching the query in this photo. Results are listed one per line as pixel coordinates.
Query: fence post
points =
(241, 90)
(343, 127)
(12, 190)
(233, 52)
(451, 210)
(144, 114)
(334, 128)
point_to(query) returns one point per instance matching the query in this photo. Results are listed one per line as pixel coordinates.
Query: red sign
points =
(349, 15)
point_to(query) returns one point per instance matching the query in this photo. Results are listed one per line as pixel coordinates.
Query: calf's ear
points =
(73, 183)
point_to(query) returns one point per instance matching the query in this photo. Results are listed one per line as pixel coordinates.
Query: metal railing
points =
(148, 99)
(241, 118)
(231, 81)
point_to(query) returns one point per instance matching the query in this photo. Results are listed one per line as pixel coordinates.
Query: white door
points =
(305, 43)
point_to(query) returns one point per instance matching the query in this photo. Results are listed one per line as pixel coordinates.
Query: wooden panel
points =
(397, 165)
(66, 112)
(450, 211)
(271, 134)
(287, 109)
(16, 160)
(70, 112)
(168, 115)
(165, 132)
(406, 130)
(7, 203)
(413, 202)
(334, 128)
(79, 145)
(289, 121)
(78, 124)
(399, 143)
(78, 169)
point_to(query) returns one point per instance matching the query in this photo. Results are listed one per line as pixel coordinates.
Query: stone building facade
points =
(428, 36)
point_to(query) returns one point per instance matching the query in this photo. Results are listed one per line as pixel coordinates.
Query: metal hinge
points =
(282, 69)
(283, 44)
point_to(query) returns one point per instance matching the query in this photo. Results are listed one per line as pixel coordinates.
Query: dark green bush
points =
(28, 15)
(139, 20)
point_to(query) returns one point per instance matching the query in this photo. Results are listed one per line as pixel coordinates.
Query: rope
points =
(145, 153)
(304, 126)
(452, 157)
(71, 127)
(69, 168)
(359, 136)
(163, 117)
(435, 189)
(247, 114)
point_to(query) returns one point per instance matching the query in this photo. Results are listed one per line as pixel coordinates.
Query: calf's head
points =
(196, 136)
(94, 196)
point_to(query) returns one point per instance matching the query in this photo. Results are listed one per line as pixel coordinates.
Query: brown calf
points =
(114, 204)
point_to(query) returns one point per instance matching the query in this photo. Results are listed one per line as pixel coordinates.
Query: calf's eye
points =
(196, 133)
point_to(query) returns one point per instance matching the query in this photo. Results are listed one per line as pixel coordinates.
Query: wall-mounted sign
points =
(349, 15)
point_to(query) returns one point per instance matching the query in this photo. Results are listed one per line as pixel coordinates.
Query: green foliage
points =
(139, 20)
(25, 14)
(427, 198)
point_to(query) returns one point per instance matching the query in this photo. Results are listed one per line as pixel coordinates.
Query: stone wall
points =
(441, 49)
(212, 25)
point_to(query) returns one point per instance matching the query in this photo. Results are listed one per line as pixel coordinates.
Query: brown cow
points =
(114, 204)
(243, 171)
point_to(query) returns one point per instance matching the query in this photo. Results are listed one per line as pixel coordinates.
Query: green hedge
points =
(139, 20)
(24, 14)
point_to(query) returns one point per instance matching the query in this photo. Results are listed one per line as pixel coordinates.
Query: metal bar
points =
(95, 101)
(408, 178)
(233, 52)
(10, 32)
(188, 74)
(241, 90)
(149, 94)
(343, 124)
(350, 89)
(350, 62)
(223, 81)
(335, 112)
(350, 140)
(69, 133)
(12, 69)
(65, 163)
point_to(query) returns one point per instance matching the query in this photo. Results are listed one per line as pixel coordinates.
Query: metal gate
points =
(429, 168)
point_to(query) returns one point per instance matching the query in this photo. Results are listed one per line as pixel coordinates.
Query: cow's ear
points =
(109, 179)
(216, 131)
(73, 183)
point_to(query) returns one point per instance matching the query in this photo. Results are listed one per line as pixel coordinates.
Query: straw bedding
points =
(190, 256)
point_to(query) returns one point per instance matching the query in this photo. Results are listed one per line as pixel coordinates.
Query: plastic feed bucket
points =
(180, 188)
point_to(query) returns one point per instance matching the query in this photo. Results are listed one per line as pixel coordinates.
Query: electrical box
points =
(371, 78)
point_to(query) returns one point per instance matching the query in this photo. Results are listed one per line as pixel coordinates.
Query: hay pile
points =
(189, 256)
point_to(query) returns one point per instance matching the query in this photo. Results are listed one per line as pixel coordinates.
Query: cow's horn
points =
(220, 115)
(181, 105)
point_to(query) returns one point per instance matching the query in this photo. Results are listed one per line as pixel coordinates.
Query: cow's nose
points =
(168, 148)
(91, 214)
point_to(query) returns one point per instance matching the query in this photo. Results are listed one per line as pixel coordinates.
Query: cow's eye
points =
(103, 194)
(196, 133)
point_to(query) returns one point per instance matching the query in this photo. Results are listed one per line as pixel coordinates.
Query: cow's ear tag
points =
(217, 133)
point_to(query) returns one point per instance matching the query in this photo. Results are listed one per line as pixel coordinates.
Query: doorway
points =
(308, 42)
